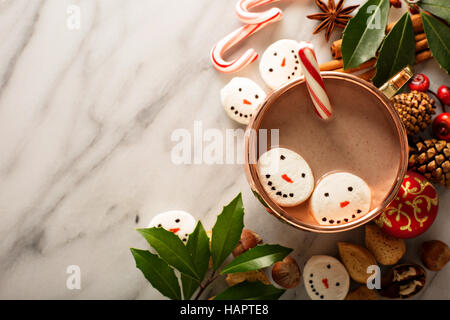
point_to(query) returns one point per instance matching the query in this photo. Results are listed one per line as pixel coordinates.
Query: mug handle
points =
(394, 84)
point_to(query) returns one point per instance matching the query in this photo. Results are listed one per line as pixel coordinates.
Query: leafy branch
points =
(364, 37)
(192, 260)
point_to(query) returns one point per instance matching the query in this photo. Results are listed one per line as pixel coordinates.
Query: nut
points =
(403, 281)
(362, 293)
(356, 260)
(434, 254)
(387, 249)
(249, 239)
(252, 276)
(286, 273)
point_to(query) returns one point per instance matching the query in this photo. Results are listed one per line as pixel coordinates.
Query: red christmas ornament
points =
(413, 210)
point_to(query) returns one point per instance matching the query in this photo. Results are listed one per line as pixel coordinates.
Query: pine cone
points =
(431, 158)
(415, 110)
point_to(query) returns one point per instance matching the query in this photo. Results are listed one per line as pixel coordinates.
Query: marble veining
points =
(86, 118)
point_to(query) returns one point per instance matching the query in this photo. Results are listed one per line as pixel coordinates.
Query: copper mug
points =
(381, 97)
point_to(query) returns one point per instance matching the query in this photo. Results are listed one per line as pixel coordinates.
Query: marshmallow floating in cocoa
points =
(340, 198)
(286, 176)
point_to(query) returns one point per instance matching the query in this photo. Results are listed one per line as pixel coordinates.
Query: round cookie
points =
(325, 278)
(280, 63)
(179, 222)
(285, 176)
(241, 97)
(340, 198)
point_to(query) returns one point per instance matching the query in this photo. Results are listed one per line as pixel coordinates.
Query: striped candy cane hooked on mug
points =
(314, 80)
(264, 18)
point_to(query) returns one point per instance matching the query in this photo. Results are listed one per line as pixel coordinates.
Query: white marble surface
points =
(86, 118)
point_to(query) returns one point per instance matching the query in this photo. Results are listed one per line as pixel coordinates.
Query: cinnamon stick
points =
(368, 75)
(423, 56)
(420, 36)
(331, 65)
(416, 20)
(421, 45)
(363, 66)
(420, 57)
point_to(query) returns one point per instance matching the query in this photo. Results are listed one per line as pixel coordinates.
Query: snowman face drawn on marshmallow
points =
(325, 278)
(286, 176)
(280, 63)
(339, 198)
(241, 97)
(179, 222)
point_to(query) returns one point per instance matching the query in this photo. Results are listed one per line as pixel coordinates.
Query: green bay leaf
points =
(198, 247)
(438, 35)
(171, 249)
(250, 291)
(440, 8)
(227, 231)
(364, 33)
(189, 286)
(397, 51)
(158, 273)
(259, 257)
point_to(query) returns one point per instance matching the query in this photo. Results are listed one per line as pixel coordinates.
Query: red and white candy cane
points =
(314, 80)
(245, 16)
(232, 39)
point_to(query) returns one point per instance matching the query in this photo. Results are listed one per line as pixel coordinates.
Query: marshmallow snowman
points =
(241, 97)
(325, 278)
(286, 176)
(280, 63)
(339, 198)
(179, 222)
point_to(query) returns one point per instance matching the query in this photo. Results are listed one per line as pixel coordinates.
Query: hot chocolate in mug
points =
(364, 137)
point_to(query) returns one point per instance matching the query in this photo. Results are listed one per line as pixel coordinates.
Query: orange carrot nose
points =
(246, 101)
(174, 230)
(283, 63)
(344, 204)
(286, 178)
(325, 283)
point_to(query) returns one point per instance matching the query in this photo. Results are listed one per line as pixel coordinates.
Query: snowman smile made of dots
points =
(288, 179)
(339, 198)
(241, 98)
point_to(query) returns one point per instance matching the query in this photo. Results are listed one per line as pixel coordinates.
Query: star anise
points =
(332, 16)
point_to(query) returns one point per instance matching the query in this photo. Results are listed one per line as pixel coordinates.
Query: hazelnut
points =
(434, 254)
(403, 281)
(286, 273)
(249, 239)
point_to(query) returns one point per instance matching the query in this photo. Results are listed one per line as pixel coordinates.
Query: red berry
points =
(396, 3)
(419, 82)
(444, 95)
(413, 8)
(441, 126)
